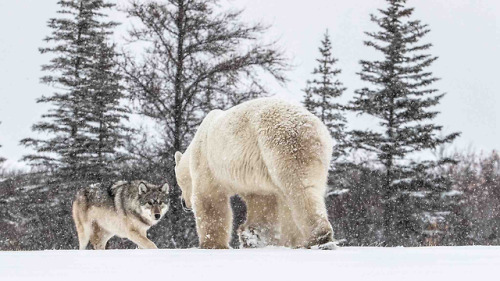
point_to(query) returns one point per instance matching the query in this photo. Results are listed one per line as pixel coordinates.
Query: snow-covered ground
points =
(401, 264)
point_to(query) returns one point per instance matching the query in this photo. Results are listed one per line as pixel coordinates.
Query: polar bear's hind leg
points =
(300, 170)
(308, 211)
(290, 235)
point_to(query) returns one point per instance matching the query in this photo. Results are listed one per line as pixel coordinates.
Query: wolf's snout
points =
(157, 216)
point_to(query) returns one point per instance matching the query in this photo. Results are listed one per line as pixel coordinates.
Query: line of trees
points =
(400, 96)
(196, 57)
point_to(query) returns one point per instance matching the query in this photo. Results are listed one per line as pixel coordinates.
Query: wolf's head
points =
(153, 200)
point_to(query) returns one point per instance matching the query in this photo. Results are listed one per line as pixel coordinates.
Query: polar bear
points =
(273, 154)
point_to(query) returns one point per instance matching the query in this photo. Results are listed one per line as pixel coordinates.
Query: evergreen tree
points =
(322, 94)
(105, 115)
(77, 37)
(402, 99)
(199, 58)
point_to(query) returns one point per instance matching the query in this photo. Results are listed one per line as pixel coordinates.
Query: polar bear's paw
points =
(326, 246)
(252, 237)
(249, 238)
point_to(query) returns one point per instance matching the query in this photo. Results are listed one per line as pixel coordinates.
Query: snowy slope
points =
(401, 264)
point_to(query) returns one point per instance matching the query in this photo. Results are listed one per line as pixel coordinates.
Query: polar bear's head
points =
(183, 177)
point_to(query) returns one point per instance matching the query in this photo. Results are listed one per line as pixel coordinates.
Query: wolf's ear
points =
(142, 188)
(165, 188)
(178, 156)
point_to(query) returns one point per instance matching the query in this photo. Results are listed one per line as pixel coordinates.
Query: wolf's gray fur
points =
(125, 209)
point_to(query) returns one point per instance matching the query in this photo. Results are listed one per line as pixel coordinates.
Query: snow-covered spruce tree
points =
(199, 58)
(402, 99)
(105, 115)
(322, 94)
(70, 148)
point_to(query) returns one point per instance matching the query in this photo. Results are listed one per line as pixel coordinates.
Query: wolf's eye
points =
(150, 203)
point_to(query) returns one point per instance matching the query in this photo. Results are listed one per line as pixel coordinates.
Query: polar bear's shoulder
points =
(211, 116)
(267, 106)
(265, 102)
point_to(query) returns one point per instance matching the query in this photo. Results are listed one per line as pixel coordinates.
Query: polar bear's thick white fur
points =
(273, 154)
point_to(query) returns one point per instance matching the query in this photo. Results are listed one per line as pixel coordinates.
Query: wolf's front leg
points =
(213, 220)
(141, 240)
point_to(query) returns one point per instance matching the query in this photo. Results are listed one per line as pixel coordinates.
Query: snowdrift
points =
(438, 263)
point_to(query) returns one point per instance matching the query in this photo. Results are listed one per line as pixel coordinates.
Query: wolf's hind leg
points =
(83, 237)
(99, 237)
(83, 227)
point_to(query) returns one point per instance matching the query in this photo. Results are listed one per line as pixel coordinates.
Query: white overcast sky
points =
(465, 34)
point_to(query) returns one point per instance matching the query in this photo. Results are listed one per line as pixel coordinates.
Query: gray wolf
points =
(273, 154)
(125, 209)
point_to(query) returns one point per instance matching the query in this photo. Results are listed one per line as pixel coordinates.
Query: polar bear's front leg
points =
(261, 226)
(213, 219)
